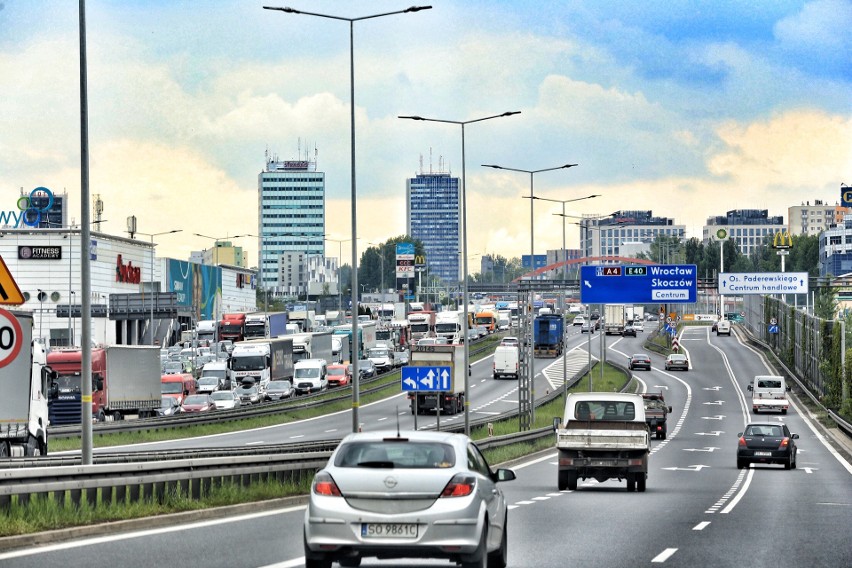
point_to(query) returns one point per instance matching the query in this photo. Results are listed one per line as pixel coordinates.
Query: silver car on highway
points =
(407, 495)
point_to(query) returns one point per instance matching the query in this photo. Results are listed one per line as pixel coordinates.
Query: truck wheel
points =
(33, 447)
(631, 482)
(116, 416)
(570, 479)
(562, 480)
(101, 416)
(4, 450)
(640, 483)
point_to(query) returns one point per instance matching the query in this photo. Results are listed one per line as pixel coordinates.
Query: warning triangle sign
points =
(10, 294)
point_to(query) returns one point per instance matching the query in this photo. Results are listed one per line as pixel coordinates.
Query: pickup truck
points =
(656, 413)
(603, 436)
(769, 393)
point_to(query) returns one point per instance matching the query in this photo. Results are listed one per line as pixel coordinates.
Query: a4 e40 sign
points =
(652, 283)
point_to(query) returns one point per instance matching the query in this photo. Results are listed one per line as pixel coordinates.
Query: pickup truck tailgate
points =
(602, 439)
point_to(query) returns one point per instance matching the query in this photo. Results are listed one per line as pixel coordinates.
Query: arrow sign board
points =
(612, 284)
(422, 378)
(763, 283)
(10, 294)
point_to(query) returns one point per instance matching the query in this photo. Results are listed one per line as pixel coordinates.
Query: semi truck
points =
(314, 345)
(366, 337)
(125, 380)
(27, 380)
(421, 324)
(548, 335)
(233, 327)
(305, 319)
(450, 325)
(262, 360)
(614, 319)
(449, 401)
(205, 330)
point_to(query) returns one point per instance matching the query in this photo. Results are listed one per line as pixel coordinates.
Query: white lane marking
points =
(254, 443)
(488, 413)
(742, 492)
(545, 498)
(701, 526)
(287, 564)
(525, 503)
(664, 555)
(297, 436)
(145, 533)
(335, 429)
(510, 507)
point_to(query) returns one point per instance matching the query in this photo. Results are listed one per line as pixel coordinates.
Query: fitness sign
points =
(11, 337)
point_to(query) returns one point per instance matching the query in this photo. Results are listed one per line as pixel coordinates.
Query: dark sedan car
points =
(767, 442)
(628, 331)
(639, 361)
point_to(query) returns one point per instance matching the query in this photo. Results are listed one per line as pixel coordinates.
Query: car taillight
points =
(742, 441)
(460, 485)
(324, 485)
(784, 443)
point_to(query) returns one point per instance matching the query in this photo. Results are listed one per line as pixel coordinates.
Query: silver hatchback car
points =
(407, 495)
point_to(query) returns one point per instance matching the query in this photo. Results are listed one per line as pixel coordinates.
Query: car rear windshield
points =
(604, 410)
(768, 430)
(402, 455)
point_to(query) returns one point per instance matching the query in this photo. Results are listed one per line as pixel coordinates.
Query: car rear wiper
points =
(376, 464)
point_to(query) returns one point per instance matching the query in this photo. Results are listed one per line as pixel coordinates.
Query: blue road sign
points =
(654, 283)
(405, 248)
(416, 378)
(773, 329)
(669, 329)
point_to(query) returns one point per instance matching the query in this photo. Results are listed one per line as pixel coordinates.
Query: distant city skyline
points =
(667, 107)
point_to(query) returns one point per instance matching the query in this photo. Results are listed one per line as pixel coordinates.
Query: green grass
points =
(285, 416)
(43, 514)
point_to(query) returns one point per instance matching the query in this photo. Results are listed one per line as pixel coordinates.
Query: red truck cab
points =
(64, 404)
(233, 327)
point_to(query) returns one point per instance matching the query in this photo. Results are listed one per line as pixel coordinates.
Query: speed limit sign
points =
(11, 337)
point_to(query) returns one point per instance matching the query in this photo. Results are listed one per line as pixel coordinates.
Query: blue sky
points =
(689, 109)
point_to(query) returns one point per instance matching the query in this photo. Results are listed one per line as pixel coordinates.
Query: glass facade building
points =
(433, 213)
(291, 215)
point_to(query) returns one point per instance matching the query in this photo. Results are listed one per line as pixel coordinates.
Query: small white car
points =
(638, 325)
(226, 400)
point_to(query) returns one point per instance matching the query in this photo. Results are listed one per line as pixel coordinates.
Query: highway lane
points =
(699, 509)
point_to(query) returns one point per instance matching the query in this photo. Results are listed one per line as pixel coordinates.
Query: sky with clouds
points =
(687, 108)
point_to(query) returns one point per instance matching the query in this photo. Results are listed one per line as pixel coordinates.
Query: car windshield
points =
(208, 381)
(248, 362)
(677, 357)
(223, 395)
(278, 386)
(307, 372)
(378, 353)
(397, 454)
(171, 388)
(335, 371)
(195, 399)
(246, 389)
(168, 401)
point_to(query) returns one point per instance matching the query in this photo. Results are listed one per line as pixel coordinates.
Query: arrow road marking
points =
(810, 469)
(713, 433)
(706, 449)
(716, 402)
(661, 387)
(690, 468)
(717, 417)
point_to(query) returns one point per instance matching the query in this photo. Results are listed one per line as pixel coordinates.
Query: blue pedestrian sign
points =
(773, 328)
(670, 330)
(417, 378)
(646, 284)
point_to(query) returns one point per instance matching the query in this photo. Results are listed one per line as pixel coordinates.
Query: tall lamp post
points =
(462, 123)
(356, 379)
(216, 263)
(152, 235)
(532, 199)
(339, 269)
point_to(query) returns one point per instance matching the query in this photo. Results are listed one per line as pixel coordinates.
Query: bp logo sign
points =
(722, 234)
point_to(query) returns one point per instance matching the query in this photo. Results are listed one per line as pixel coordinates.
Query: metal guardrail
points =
(842, 424)
(133, 477)
(219, 416)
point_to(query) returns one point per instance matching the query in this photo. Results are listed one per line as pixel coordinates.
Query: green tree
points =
(825, 303)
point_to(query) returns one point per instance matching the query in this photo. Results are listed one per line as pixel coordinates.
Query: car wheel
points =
(479, 558)
(313, 559)
(794, 460)
(500, 557)
(783, 411)
(350, 562)
(631, 483)
(789, 463)
(640, 482)
(741, 464)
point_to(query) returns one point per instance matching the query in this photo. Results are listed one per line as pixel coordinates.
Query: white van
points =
(310, 375)
(769, 392)
(506, 361)
(723, 327)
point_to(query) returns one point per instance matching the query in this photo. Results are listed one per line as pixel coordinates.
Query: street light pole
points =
(464, 252)
(356, 379)
(152, 235)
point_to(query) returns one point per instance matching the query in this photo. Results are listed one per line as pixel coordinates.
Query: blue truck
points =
(548, 335)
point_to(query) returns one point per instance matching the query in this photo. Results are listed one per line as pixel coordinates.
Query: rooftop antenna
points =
(99, 209)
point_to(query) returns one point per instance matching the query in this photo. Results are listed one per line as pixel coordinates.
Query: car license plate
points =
(389, 530)
(763, 454)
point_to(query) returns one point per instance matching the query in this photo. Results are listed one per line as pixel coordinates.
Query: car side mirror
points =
(739, 435)
(750, 387)
(556, 423)
(794, 436)
(670, 409)
(505, 475)
(788, 389)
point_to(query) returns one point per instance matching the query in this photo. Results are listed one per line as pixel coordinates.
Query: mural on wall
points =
(198, 287)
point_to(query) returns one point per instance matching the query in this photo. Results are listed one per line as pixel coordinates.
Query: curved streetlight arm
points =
(330, 17)
(462, 122)
(496, 167)
(562, 201)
